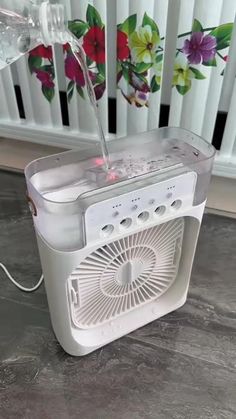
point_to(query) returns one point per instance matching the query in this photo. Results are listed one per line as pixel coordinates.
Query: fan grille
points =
(125, 274)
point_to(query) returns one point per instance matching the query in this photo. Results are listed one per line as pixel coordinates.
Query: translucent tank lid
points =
(65, 177)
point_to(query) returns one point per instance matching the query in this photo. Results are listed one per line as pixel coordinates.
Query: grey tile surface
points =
(181, 366)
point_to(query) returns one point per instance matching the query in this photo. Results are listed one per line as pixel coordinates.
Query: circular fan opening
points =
(125, 274)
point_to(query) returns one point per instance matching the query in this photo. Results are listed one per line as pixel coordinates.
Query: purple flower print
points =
(74, 71)
(45, 78)
(99, 90)
(199, 48)
(138, 84)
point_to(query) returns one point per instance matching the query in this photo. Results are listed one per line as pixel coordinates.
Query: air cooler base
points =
(59, 267)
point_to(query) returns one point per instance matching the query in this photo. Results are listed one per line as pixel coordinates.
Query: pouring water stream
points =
(80, 56)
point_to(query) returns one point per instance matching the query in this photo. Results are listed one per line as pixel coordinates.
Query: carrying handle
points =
(32, 205)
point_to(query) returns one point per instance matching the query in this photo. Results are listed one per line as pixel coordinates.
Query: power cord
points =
(19, 285)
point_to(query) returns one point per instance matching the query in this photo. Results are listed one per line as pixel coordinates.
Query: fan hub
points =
(129, 272)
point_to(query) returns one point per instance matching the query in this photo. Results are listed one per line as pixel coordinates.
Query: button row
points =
(142, 217)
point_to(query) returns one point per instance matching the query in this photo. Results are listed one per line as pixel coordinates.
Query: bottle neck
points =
(53, 23)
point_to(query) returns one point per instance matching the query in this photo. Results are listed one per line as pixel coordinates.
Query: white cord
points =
(19, 285)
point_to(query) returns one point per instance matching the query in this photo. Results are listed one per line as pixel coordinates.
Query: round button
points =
(134, 207)
(107, 230)
(176, 204)
(152, 201)
(126, 223)
(115, 214)
(143, 216)
(169, 195)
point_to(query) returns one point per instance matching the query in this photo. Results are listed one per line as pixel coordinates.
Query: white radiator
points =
(184, 51)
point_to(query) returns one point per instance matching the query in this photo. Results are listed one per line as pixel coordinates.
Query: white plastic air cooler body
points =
(89, 304)
(117, 248)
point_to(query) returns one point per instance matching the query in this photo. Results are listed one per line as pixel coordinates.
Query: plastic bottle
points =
(25, 25)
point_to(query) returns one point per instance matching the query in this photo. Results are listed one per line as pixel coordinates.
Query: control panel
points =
(139, 208)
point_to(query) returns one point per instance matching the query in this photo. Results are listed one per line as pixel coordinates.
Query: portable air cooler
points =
(117, 248)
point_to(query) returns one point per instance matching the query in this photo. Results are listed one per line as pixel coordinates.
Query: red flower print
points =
(73, 70)
(42, 51)
(45, 78)
(122, 46)
(66, 48)
(94, 44)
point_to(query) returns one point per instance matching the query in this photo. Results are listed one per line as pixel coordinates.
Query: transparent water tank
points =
(62, 186)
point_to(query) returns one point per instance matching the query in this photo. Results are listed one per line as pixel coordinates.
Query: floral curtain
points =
(140, 49)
